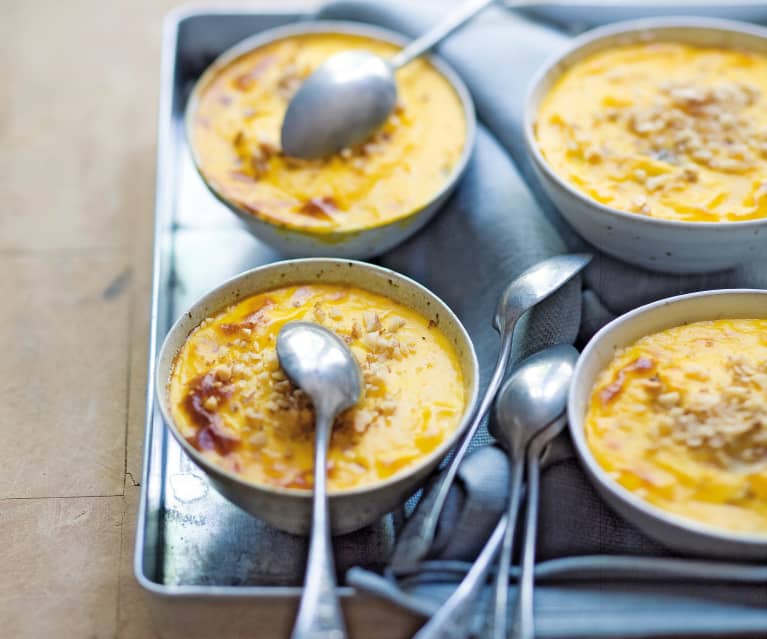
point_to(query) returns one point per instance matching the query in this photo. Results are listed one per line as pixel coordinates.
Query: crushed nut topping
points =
(683, 126)
(689, 435)
(729, 426)
(381, 344)
(233, 402)
(708, 125)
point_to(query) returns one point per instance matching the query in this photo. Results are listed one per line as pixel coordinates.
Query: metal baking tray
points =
(210, 569)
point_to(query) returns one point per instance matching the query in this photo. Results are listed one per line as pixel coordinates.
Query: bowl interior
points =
(624, 331)
(341, 27)
(696, 31)
(366, 276)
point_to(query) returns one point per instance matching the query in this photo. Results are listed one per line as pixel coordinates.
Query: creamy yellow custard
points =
(680, 419)
(666, 130)
(232, 402)
(235, 134)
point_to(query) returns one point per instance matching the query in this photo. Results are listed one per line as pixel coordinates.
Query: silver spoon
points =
(549, 373)
(522, 621)
(531, 399)
(531, 287)
(352, 94)
(321, 364)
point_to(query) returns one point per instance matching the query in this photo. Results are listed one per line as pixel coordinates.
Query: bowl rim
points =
(599, 475)
(640, 28)
(345, 27)
(210, 468)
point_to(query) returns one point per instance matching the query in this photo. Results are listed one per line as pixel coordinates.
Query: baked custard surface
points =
(680, 420)
(662, 129)
(231, 401)
(235, 135)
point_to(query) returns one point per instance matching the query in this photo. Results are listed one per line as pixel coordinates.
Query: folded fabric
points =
(499, 223)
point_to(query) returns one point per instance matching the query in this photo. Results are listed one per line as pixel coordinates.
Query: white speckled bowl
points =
(293, 240)
(684, 535)
(659, 245)
(290, 509)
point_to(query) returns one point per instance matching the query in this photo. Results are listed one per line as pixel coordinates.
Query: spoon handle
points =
(319, 614)
(454, 618)
(421, 45)
(418, 533)
(523, 624)
(501, 593)
(523, 620)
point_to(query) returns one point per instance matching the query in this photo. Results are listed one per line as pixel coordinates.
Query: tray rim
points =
(164, 197)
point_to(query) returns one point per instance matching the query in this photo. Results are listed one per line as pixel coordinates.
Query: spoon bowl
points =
(321, 364)
(533, 397)
(339, 105)
(352, 93)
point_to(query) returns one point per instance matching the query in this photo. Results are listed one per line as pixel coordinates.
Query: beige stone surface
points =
(78, 112)
(60, 560)
(77, 156)
(63, 381)
(133, 619)
(139, 333)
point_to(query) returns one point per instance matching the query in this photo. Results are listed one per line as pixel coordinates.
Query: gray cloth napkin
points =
(499, 223)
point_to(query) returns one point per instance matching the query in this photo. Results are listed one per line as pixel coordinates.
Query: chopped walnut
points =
(387, 407)
(641, 205)
(372, 322)
(319, 313)
(394, 324)
(362, 420)
(258, 438)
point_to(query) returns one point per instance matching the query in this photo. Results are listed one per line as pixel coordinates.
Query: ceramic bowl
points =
(293, 240)
(290, 509)
(655, 244)
(683, 535)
